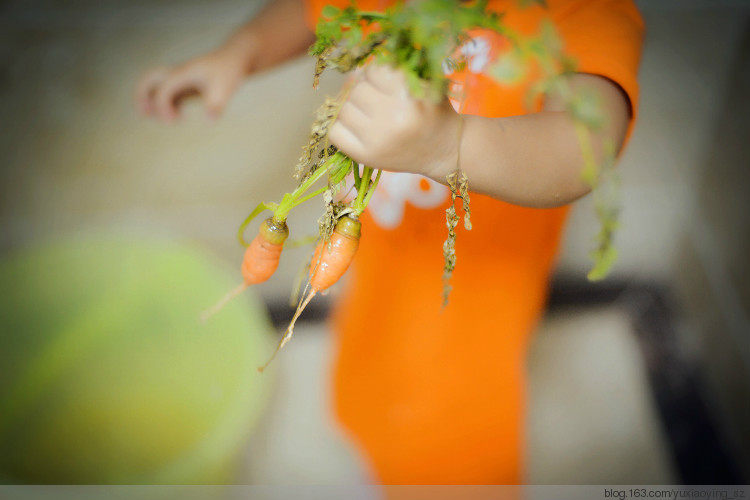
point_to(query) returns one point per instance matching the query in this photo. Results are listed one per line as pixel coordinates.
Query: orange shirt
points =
(432, 395)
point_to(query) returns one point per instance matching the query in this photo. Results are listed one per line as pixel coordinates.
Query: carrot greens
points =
(423, 39)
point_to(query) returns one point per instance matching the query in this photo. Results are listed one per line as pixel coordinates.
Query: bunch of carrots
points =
(421, 39)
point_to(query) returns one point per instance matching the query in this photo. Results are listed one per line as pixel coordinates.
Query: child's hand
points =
(214, 77)
(383, 126)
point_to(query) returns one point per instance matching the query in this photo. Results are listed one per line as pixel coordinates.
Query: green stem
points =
(312, 195)
(355, 171)
(369, 194)
(260, 208)
(590, 168)
(362, 189)
(372, 16)
(296, 197)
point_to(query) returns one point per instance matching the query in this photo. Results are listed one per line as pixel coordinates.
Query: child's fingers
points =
(145, 88)
(353, 119)
(353, 126)
(365, 97)
(351, 114)
(385, 78)
(167, 95)
(347, 141)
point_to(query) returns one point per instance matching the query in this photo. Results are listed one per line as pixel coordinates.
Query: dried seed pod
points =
(308, 161)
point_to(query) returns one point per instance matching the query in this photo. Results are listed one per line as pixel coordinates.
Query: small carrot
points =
(259, 262)
(331, 259)
(329, 263)
(262, 256)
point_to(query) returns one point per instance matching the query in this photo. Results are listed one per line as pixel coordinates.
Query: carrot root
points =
(289, 330)
(205, 315)
(329, 262)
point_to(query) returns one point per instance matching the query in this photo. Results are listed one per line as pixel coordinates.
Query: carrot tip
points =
(205, 315)
(289, 330)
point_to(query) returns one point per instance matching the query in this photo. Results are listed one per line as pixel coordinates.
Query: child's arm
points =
(276, 34)
(531, 160)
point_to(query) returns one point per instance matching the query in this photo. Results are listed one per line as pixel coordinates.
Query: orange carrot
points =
(260, 261)
(262, 256)
(331, 259)
(329, 263)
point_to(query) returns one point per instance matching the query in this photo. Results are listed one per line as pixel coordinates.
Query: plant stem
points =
(590, 168)
(312, 195)
(362, 189)
(369, 194)
(357, 178)
(260, 208)
(296, 197)
(372, 16)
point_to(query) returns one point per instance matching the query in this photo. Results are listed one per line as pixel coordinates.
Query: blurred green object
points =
(107, 375)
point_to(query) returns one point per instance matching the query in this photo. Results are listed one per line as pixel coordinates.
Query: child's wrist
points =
(241, 50)
(445, 153)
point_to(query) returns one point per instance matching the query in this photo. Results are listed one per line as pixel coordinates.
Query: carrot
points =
(259, 262)
(329, 263)
(262, 256)
(331, 259)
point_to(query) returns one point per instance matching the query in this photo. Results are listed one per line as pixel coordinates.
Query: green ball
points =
(107, 375)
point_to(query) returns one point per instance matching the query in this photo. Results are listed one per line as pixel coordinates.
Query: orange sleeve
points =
(605, 37)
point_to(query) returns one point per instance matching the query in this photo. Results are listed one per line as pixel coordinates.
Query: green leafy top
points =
(418, 38)
(421, 38)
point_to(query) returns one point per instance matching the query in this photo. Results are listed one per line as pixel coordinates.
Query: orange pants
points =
(431, 395)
